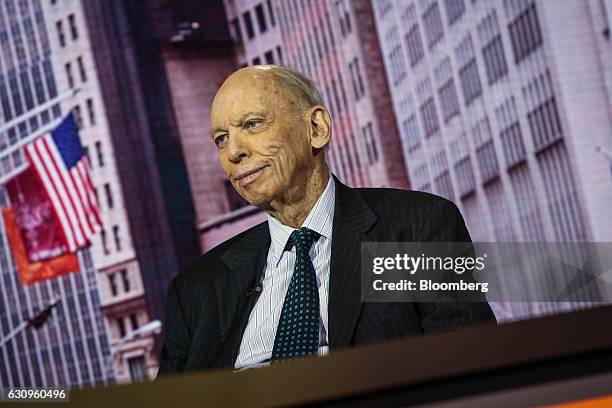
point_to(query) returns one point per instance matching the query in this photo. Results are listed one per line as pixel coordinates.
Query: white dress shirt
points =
(258, 338)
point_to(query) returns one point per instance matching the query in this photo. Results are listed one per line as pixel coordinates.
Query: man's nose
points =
(236, 148)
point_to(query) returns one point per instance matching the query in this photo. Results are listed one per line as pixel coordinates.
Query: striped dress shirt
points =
(258, 338)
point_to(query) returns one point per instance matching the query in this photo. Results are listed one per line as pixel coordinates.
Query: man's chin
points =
(260, 201)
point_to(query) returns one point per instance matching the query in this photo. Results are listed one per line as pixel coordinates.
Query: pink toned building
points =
(502, 106)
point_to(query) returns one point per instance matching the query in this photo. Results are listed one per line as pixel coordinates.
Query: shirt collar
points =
(320, 219)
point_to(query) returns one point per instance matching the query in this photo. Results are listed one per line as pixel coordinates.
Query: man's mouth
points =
(246, 178)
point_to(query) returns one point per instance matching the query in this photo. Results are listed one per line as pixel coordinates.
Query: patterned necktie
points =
(297, 333)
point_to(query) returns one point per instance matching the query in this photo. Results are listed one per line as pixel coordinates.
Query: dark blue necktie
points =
(297, 333)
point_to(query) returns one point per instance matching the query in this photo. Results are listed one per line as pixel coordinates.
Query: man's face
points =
(263, 142)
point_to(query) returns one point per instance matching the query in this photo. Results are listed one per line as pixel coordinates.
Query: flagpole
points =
(29, 138)
(23, 325)
(38, 109)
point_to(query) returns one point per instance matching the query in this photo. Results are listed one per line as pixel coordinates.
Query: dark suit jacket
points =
(208, 305)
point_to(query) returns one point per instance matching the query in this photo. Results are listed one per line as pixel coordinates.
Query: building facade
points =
(197, 58)
(501, 106)
(72, 347)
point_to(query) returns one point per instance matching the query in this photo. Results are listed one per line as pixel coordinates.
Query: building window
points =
(125, 280)
(545, 124)
(470, 81)
(256, 61)
(90, 111)
(73, 29)
(279, 52)
(138, 370)
(368, 135)
(77, 116)
(27, 90)
(236, 32)
(271, 13)
(112, 281)
(49, 78)
(525, 33)
(269, 56)
(454, 10)
(398, 66)
(261, 19)
(104, 241)
(448, 100)
(69, 77)
(465, 177)
(248, 24)
(109, 195)
(495, 60)
(444, 185)
(429, 117)
(38, 84)
(134, 321)
(60, 33)
(14, 88)
(99, 154)
(345, 16)
(411, 133)
(356, 78)
(334, 88)
(117, 237)
(415, 45)
(121, 326)
(86, 149)
(234, 199)
(487, 162)
(82, 69)
(432, 20)
(512, 141)
(561, 194)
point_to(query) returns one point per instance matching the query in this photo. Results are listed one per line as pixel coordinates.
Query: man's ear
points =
(320, 126)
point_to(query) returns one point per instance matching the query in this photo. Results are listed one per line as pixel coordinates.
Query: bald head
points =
(299, 90)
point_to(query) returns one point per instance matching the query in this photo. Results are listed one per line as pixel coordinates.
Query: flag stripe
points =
(40, 169)
(93, 211)
(82, 197)
(72, 197)
(82, 175)
(85, 171)
(61, 189)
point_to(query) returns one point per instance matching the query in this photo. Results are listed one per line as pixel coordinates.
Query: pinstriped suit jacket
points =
(208, 305)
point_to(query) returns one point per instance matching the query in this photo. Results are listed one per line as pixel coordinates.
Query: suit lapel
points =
(352, 219)
(245, 262)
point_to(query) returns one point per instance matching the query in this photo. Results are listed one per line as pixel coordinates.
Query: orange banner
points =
(601, 402)
(30, 272)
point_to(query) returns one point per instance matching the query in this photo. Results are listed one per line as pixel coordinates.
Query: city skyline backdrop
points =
(499, 106)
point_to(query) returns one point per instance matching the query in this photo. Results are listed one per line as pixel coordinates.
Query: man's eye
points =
(220, 139)
(250, 124)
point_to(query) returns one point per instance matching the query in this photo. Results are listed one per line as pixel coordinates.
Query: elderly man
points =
(290, 287)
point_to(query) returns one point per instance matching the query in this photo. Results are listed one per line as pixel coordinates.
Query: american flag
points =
(59, 160)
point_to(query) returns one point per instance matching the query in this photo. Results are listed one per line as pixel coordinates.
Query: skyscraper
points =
(128, 129)
(501, 106)
(72, 347)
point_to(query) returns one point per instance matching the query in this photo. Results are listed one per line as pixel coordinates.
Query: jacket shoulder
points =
(409, 199)
(207, 265)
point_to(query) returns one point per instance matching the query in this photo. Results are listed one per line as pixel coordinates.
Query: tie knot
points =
(303, 239)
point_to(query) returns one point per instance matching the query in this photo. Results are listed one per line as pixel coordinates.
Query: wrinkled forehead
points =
(259, 92)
